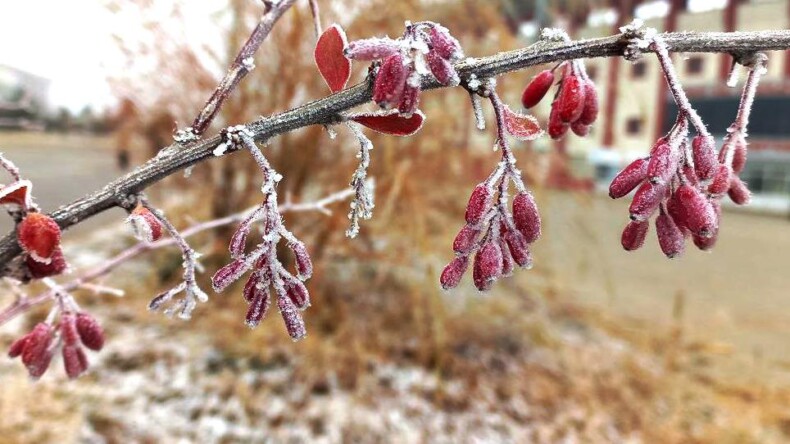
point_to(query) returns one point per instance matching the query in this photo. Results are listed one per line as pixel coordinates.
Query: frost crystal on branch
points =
(362, 204)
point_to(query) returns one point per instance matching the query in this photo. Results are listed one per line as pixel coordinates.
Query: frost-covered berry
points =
(519, 248)
(670, 236)
(442, 70)
(445, 44)
(590, 110)
(721, 180)
(294, 323)
(74, 361)
(39, 235)
(580, 129)
(464, 241)
(629, 178)
(304, 265)
(390, 81)
(229, 273)
(507, 259)
(90, 332)
(259, 306)
(699, 214)
(410, 100)
(557, 128)
(646, 200)
(705, 163)
(537, 88)
(487, 265)
(526, 216)
(663, 163)
(739, 192)
(634, 234)
(36, 353)
(371, 49)
(453, 272)
(479, 203)
(570, 101)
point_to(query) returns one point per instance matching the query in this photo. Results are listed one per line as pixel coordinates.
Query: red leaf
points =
(333, 65)
(391, 123)
(521, 126)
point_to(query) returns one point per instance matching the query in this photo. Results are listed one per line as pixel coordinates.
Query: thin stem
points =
(9, 166)
(316, 12)
(327, 111)
(241, 66)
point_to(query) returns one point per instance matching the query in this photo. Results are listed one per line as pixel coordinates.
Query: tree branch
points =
(327, 111)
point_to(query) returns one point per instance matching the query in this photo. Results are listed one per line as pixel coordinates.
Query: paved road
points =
(62, 169)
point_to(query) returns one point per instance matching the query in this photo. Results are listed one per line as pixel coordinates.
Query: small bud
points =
(390, 81)
(445, 44)
(634, 234)
(519, 249)
(39, 235)
(721, 180)
(304, 265)
(580, 129)
(478, 204)
(74, 361)
(442, 70)
(91, 333)
(464, 241)
(571, 99)
(557, 128)
(410, 100)
(739, 155)
(36, 354)
(739, 192)
(228, 274)
(371, 49)
(646, 200)
(663, 163)
(487, 266)
(259, 306)
(704, 155)
(68, 328)
(292, 318)
(298, 293)
(453, 272)
(526, 216)
(537, 88)
(629, 178)
(56, 265)
(699, 214)
(507, 259)
(590, 110)
(670, 236)
(145, 226)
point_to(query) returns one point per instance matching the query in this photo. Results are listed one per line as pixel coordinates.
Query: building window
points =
(638, 70)
(694, 65)
(633, 125)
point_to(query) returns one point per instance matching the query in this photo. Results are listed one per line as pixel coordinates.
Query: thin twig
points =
(327, 110)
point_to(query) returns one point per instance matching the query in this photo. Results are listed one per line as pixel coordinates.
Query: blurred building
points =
(636, 108)
(23, 99)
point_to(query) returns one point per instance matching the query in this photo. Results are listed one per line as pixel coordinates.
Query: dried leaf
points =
(521, 126)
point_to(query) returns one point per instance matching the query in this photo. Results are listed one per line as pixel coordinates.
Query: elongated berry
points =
(487, 266)
(304, 265)
(526, 216)
(74, 361)
(479, 203)
(646, 200)
(390, 81)
(371, 49)
(297, 291)
(557, 128)
(698, 212)
(464, 241)
(721, 180)
(629, 178)
(91, 333)
(229, 273)
(410, 100)
(634, 234)
(36, 354)
(580, 129)
(68, 328)
(670, 236)
(442, 70)
(704, 155)
(739, 192)
(453, 272)
(590, 110)
(663, 163)
(17, 347)
(570, 101)
(39, 235)
(739, 155)
(445, 44)
(291, 317)
(519, 249)
(259, 306)
(537, 88)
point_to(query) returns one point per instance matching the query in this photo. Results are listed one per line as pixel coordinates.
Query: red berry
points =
(704, 155)
(721, 180)
(453, 272)
(698, 213)
(292, 318)
(445, 44)
(670, 236)
(570, 101)
(590, 110)
(259, 306)
(390, 81)
(478, 204)
(628, 179)
(646, 200)
(519, 249)
(39, 236)
(634, 234)
(464, 241)
(91, 333)
(739, 192)
(442, 70)
(526, 216)
(663, 163)
(537, 88)
(487, 266)
(304, 265)
(557, 128)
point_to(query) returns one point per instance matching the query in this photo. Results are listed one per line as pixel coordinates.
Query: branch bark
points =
(327, 110)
